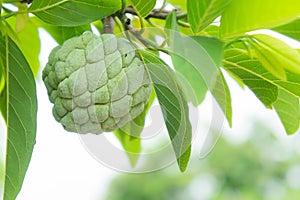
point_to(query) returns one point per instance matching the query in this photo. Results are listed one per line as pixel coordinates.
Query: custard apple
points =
(96, 83)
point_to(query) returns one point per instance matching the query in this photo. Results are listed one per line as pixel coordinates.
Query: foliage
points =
(1, 176)
(200, 47)
(247, 170)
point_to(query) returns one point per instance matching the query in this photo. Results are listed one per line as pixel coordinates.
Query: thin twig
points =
(183, 24)
(136, 34)
(119, 24)
(147, 43)
(157, 13)
(27, 1)
(122, 11)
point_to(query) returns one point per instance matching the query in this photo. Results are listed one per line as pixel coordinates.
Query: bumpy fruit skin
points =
(96, 83)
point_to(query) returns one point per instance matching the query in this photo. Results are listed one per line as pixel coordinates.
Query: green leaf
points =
(10, 1)
(174, 107)
(6, 29)
(211, 30)
(129, 135)
(250, 71)
(21, 18)
(201, 13)
(2, 77)
(222, 95)
(242, 15)
(276, 55)
(29, 42)
(1, 177)
(20, 114)
(192, 57)
(194, 86)
(3, 103)
(269, 60)
(219, 88)
(213, 47)
(131, 144)
(283, 95)
(196, 59)
(288, 109)
(291, 29)
(178, 4)
(291, 85)
(73, 12)
(143, 7)
(62, 33)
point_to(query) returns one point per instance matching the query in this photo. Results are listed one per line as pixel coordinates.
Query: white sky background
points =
(62, 169)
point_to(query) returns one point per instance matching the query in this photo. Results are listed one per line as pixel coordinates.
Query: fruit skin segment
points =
(96, 83)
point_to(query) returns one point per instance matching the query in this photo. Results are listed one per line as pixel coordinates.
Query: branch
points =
(133, 31)
(27, 1)
(108, 25)
(147, 43)
(158, 14)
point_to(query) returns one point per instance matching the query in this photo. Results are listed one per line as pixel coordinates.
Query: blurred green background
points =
(261, 167)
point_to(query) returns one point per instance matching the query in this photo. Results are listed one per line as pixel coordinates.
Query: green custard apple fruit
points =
(96, 83)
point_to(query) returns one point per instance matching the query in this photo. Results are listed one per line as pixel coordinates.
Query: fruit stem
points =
(108, 25)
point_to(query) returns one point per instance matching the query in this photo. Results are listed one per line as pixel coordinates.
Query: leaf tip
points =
(183, 160)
